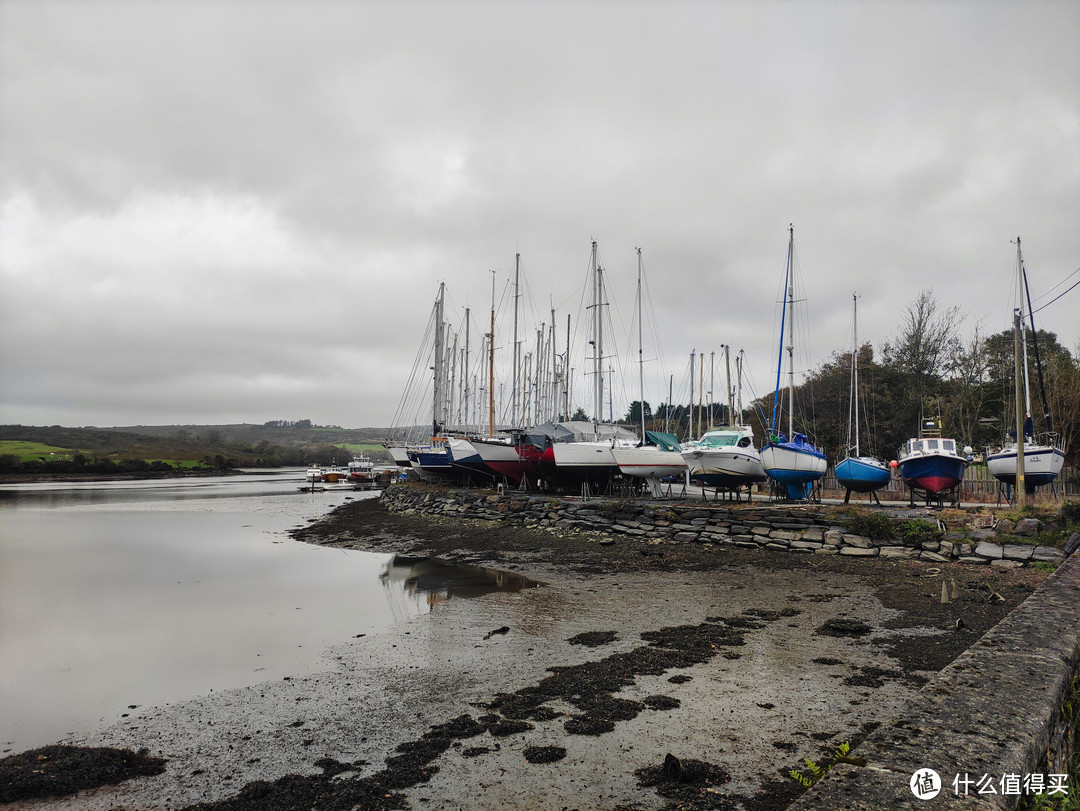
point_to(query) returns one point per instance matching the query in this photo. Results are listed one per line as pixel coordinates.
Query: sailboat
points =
(657, 456)
(1042, 461)
(589, 460)
(432, 459)
(499, 455)
(725, 456)
(858, 473)
(791, 460)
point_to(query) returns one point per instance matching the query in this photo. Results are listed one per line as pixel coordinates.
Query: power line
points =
(1056, 286)
(1055, 298)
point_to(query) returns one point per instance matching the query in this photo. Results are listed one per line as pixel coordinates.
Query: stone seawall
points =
(802, 529)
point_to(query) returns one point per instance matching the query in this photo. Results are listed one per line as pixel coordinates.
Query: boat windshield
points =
(948, 445)
(719, 439)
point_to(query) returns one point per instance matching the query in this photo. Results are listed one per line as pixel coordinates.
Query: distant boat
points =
(858, 473)
(361, 470)
(791, 460)
(313, 473)
(334, 473)
(1043, 461)
(930, 465)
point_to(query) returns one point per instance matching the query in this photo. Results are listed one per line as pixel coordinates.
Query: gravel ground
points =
(634, 676)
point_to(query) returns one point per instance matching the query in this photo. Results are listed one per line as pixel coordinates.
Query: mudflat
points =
(606, 675)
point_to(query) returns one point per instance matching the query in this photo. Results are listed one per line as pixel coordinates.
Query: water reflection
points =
(434, 581)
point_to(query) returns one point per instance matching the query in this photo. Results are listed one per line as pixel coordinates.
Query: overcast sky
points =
(238, 211)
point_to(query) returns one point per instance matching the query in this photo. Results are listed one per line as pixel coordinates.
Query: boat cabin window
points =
(948, 445)
(719, 439)
(932, 444)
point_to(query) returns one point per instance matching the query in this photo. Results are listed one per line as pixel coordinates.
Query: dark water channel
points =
(115, 594)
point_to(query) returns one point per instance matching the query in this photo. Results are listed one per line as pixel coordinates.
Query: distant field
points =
(31, 451)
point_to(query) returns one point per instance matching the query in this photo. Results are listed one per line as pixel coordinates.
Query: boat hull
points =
(795, 465)
(932, 473)
(502, 459)
(575, 463)
(464, 457)
(862, 474)
(1042, 464)
(648, 462)
(434, 464)
(725, 467)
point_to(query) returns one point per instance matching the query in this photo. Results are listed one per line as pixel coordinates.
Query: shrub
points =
(875, 525)
(917, 531)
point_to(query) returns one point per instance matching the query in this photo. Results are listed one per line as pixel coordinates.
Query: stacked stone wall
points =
(802, 529)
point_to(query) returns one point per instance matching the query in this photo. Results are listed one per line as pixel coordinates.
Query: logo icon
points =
(925, 784)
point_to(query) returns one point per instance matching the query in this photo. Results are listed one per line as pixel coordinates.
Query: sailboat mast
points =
(437, 388)
(1021, 485)
(516, 356)
(1021, 281)
(1035, 345)
(598, 336)
(730, 392)
(773, 425)
(641, 356)
(738, 377)
(855, 369)
(791, 341)
(491, 364)
(690, 414)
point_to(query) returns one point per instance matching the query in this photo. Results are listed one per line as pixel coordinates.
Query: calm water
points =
(137, 593)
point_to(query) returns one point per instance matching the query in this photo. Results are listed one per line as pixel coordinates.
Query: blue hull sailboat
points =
(795, 463)
(858, 473)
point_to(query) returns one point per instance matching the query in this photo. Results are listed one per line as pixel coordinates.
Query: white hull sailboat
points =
(647, 460)
(1042, 461)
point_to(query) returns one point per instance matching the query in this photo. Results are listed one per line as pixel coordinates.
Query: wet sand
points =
(571, 695)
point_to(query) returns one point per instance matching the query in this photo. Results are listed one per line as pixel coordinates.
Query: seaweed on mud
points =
(687, 784)
(588, 725)
(826, 660)
(60, 770)
(503, 727)
(476, 751)
(844, 626)
(661, 702)
(589, 687)
(871, 677)
(544, 754)
(593, 639)
(680, 678)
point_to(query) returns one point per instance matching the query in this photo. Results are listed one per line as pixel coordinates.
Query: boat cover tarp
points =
(574, 431)
(669, 442)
